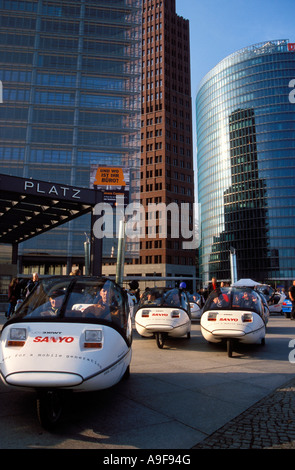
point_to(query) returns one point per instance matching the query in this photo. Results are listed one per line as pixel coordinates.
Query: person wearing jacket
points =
(13, 295)
(31, 284)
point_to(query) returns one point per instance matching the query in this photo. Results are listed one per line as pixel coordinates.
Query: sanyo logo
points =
(292, 92)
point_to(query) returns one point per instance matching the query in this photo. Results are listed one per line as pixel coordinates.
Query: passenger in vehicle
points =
(236, 301)
(247, 301)
(105, 308)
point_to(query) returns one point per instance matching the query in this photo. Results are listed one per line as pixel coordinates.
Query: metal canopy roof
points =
(29, 207)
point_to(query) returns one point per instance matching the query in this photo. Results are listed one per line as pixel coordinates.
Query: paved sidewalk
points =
(269, 424)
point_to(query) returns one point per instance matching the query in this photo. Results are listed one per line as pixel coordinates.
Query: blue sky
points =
(221, 27)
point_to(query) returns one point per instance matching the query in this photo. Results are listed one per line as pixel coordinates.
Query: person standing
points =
(292, 298)
(134, 289)
(13, 295)
(213, 286)
(76, 272)
(31, 284)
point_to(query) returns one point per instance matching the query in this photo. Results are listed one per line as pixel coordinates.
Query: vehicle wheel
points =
(262, 341)
(229, 347)
(188, 335)
(126, 373)
(49, 409)
(160, 339)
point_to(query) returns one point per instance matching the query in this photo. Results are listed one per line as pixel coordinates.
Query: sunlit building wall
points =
(167, 175)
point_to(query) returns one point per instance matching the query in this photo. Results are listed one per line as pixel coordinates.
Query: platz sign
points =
(53, 190)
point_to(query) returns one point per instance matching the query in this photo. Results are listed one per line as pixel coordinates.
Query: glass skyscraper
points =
(246, 164)
(71, 75)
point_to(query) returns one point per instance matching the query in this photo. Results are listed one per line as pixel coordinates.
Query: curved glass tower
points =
(245, 112)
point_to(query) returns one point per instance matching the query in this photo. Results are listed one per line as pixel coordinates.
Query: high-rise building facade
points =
(71, 76)
(245, 137)
(166, 142)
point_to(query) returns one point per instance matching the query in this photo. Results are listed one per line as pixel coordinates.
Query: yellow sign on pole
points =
(109, 177)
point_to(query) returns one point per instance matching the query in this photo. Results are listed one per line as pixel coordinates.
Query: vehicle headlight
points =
(247, 317)
(175, 314)
(212, 316)
(17, 337)
(93, 339)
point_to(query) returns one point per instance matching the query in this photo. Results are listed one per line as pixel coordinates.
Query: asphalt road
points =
(174, 399)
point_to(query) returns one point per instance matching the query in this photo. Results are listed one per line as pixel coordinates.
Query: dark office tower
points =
(71, 73)
(166, 141)
(245, 112)
(245, 206)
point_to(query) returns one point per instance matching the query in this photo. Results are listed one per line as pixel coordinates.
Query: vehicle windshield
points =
(163, 297)
(79, 298)
(234, 298)
(267, 291)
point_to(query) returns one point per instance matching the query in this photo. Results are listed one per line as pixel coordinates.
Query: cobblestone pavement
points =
(269, 424)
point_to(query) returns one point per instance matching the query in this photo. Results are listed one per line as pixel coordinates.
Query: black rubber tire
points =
(49, 409)
(229, 347)
(160, 339)
(126, 373)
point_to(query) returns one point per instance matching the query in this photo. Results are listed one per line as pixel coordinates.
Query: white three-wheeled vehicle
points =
(71, 333)
(163, 312)
(234, 314)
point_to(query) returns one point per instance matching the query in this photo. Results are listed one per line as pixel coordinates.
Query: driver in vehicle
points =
(219, 300)
(56, 299)
(150, 298)
(172, 298)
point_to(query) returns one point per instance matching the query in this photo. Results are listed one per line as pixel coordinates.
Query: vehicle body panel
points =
(163, 314)
(71, 347)
(287, 306)
(234, 313)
